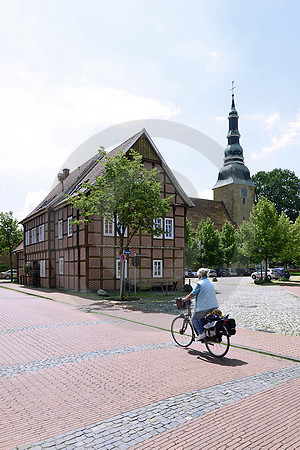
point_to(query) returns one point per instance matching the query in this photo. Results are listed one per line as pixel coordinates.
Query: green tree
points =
(11, 235)
(291, 248)
(212, 252)
(126, 193)
(192, 250)
(296, 241)
(282, 187)
(228, 242)
(264, 230)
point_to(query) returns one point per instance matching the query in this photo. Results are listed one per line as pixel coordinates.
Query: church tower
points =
(234, 186)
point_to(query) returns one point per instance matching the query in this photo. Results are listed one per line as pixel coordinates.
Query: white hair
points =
(202, 272)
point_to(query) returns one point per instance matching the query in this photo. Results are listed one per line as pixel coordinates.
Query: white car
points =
(7, 274)
(271, 274)
(212, 273)
(190, 273)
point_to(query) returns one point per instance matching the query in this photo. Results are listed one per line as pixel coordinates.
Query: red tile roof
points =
(203, 209)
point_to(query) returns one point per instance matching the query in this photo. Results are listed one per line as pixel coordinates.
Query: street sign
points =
(126, 252)
(122, 257)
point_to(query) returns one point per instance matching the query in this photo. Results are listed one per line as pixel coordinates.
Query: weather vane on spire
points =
(233, 87)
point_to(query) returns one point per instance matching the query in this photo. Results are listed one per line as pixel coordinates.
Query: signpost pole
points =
(134, 275)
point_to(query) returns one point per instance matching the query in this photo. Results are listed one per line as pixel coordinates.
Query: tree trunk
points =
(11, 264)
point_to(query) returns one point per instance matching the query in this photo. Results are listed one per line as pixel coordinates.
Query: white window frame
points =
(158, 223)
(43, 268)
(41, 233)
(70, 226)
(118, 269)
(60, 229)
(119, 227)
(157, 268)
(27, 237)
(61, 265)
(108, 227)
(169, 234)
(33, 236)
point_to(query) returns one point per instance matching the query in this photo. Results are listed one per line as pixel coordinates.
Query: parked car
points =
(7, 274)
(223, 273)
(248, 271)
(280, 270)
(189, 273)
(212, 273)
(233, 272)
(283, 272)
(271, 274)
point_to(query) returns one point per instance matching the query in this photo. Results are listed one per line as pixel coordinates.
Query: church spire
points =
(233, 170)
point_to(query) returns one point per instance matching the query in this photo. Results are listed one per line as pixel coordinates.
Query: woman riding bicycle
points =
(205, 301)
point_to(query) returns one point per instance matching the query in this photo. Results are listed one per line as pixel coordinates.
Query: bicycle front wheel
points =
(182, 331)
(219, 349)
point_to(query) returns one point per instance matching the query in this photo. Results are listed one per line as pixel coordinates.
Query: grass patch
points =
(151, 296)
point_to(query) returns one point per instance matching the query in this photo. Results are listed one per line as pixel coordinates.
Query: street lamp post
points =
(260, 250)
(201, 246)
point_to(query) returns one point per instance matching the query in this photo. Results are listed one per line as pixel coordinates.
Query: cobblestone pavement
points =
(117, 381)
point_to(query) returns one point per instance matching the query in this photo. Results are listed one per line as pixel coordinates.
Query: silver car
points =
(212, 273)
(271, 274)
(7, 274)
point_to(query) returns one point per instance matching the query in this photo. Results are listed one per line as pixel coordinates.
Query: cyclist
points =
(205, 301)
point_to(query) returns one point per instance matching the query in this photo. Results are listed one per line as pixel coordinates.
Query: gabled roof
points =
(90, 170)
(203, 209)
(20, 248)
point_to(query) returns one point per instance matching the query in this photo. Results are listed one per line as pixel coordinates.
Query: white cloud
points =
(271, 120)
(32, 199)
(289, 136)
(42, 123)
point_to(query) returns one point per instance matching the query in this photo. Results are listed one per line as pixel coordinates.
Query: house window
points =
(42, 268)
(60, 229)
(61, 266)
(27, 237)
(108, 227)
(118, 269)
(70, 226)
(169, 228)
(33, 236)
(41, 233)
(120, 228)
(157, 268)
(158, 223)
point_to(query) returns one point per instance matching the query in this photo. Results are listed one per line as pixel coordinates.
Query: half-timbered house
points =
(85, 257)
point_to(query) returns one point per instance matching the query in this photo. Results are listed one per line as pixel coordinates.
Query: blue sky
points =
(70, 69)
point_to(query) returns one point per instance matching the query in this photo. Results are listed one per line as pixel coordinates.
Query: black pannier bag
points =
(230, 326)
(215, 328)
(210, 329)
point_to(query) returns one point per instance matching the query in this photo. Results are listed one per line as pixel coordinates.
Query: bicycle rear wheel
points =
(219, 349)
(182, 331)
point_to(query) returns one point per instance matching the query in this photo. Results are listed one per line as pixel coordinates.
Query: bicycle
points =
(217, 339)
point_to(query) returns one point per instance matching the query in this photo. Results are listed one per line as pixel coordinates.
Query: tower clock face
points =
(244, 192)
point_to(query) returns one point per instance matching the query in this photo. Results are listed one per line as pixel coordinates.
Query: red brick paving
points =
(258, 422)
(37, 405)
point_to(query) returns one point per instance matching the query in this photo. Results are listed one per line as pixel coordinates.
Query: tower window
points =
(244, 201)
(244, 192)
